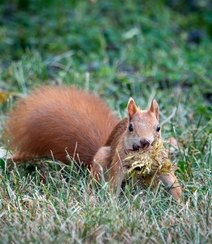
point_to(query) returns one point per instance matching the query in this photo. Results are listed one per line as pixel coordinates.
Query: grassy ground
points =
(118, 50)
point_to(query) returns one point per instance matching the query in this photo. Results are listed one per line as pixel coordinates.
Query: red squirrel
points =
(56, 120)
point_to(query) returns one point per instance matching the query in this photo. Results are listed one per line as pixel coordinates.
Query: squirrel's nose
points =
(144, 143)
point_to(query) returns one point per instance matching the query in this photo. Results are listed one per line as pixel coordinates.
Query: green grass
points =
(117, 50)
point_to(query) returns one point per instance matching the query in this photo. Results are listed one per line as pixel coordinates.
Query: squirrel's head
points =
(143, 126)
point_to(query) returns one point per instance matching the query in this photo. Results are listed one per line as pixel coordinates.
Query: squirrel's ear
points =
(154, 108)
(131, 107)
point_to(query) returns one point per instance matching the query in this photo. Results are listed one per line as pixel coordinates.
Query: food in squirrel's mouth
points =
(146, 164)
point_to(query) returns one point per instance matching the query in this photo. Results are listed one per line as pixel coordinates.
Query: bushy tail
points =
(56, 120)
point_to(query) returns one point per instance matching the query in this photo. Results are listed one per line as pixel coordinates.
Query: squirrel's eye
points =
(130, 127)
(158, 128)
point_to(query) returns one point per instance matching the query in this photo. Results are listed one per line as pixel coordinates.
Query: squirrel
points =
(60, 120)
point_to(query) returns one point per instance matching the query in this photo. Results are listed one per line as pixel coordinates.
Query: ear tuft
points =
(131, 107)
(154, 108)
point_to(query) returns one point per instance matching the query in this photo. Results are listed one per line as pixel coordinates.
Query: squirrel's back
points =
(55, 120)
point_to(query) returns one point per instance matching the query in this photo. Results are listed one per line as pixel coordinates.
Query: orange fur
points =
(109, 159)
(56, 119)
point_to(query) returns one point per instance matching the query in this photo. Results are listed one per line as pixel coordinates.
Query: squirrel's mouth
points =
(136, 148)
(127, 151)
